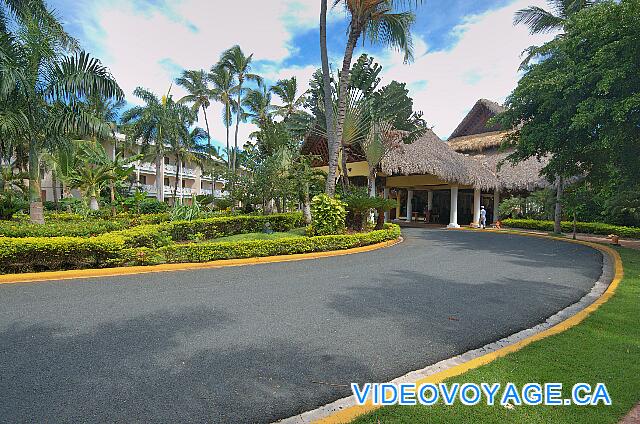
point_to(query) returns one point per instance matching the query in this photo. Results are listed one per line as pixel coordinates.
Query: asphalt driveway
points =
(260, 343)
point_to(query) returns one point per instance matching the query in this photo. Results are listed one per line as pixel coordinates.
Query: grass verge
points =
(605, 347)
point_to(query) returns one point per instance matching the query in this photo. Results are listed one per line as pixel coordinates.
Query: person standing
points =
(483, 217)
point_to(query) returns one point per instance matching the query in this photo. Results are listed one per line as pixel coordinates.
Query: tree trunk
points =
(235, 142)
(159, 179)
(574, 224)
(557, 227)
(35, 198)
(332, 141)
(345, 170)
(306, 204)
(228, 115)
(372, 182)
(54, 183)
(206, 122)
(343, 86)
(380, 220)
(93, 203)
(112, 189)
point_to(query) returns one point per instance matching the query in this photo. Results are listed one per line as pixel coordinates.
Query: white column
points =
(429, 200)
(496, 205)
(409, 206)
(476, 207)
(398, 197)
(387, 214)
(453, 217)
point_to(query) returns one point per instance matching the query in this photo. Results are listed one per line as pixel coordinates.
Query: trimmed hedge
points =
(84, 228)
(216, 227)
(211, 251)
(51, 253)
(581, 227)
(121, 249)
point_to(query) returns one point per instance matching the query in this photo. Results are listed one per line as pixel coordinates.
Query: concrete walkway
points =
(264, 342)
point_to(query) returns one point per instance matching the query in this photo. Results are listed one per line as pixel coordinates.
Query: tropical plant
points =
(287, 90)
(378, 21)
(239, 65)
(200, 95)
(257, 103)
(185, 148)
(223, 90)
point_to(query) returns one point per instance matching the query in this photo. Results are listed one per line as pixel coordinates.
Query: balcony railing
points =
(146, 166)
(171, 170)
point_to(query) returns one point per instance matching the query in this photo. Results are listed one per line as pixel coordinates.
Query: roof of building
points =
(476, 120)
(477, 142)
(525, 175)
(430, 155)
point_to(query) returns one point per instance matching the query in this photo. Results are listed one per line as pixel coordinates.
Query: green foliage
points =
(83, 228)
(152, 205)
(210, 251)
(10, 203)
(186, 212)
(581, 227)
(216, 227)
(327, 215)
(538, 205)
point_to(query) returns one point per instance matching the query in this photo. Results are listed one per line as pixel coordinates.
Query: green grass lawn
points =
(605, 348)
(296, 232)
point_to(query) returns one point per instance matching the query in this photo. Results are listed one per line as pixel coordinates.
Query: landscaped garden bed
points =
(32, 248)
(581, 227)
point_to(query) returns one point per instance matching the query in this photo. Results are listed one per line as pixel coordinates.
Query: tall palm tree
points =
(155, 124)
(258, 105)
(332, 141)
(239, 65)
(223, 83)
(287, 90)
(378, 21)
(200, 95)
(44, 81)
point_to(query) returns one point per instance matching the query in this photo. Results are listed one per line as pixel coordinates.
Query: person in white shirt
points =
(483, 217)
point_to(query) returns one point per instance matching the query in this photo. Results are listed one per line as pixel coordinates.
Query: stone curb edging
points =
(344, 410)
(35, 277)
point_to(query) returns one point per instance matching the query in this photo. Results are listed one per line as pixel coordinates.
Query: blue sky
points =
(464, 49)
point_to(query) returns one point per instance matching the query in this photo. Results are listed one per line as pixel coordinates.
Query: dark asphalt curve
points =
(264, 342)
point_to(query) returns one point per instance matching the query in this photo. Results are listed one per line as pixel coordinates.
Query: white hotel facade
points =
(192, 181)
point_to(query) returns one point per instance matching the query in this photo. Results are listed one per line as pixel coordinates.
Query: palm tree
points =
(376, 20)
(186, 148)
(90, 179)
(156, 125)
(222, 90)
(258, 105)
(200, 95)
(541, 21)
(239, 65)
(287, 90)
(41, 86)
(332, 140)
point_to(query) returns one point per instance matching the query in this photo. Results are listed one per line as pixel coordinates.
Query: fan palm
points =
(235, 61)
(287, 90)
(329, 122)
(378, 21)
(200, 95)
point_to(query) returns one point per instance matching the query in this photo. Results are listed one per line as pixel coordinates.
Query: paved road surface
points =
(260, 343)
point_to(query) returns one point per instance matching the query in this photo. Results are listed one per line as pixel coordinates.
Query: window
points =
(166, 160)
(143, 179)
(166, 181)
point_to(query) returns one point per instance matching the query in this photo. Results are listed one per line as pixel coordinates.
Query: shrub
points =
(210, 251)
(50, 253)
(581, 227)
(11, 203)
(327, 215)
(231, 225)
(144, 236)
(152, 205)
(83, 228)
(185, 212)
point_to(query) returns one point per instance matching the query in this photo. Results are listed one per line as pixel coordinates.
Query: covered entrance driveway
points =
(428, 199)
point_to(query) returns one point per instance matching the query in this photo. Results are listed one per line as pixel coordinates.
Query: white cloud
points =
(149, 47)
(482, 64)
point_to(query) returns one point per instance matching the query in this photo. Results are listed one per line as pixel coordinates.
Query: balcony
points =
(147, 188)
(146, 167)
(182, 191)
(185, 172)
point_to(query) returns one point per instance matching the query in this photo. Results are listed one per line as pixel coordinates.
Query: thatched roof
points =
(430, 155)
(477, 142)
(524, 175)
(476, 120)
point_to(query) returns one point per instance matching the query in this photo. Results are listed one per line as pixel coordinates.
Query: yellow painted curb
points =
(348, 414)
(34, 277)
